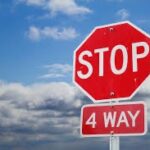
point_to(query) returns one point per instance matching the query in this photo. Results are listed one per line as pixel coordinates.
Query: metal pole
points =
(114, 143)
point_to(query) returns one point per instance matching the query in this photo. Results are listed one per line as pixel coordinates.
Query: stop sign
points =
(112, 62)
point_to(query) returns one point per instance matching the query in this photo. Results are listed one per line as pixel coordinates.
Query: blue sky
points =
(37, 41)
(24, 52)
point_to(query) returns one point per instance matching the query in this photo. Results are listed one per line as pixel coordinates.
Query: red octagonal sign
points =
(112, 62)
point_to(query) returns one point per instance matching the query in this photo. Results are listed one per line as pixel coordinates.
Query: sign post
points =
(114, 143)
(110, 65)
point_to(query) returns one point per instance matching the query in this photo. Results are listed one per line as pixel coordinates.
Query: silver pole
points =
(114, 140)
(114, 143)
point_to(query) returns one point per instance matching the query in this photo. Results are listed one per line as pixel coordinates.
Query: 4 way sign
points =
(112, 62)
(122, 119)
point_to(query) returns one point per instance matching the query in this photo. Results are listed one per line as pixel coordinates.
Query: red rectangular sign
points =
(119, 119)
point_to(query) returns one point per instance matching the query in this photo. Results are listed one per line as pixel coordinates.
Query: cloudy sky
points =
(39, 105)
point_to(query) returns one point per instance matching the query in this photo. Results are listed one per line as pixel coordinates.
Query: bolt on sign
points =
(112, 62)
(121, 119)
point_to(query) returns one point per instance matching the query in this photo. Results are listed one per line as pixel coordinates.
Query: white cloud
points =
(45, 111)
(37, 94)
(123, 14)
(57, 70)
(67, 7)
(34, 33)
(145, 87)
(39, 111)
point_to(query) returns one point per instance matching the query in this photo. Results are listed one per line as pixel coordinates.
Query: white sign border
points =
(110, 99)
(123, 134)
